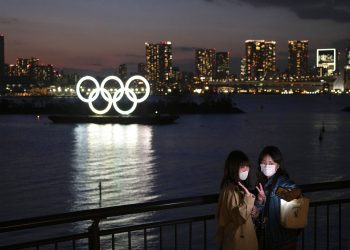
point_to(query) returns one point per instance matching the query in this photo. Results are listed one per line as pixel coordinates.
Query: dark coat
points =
(275, 235)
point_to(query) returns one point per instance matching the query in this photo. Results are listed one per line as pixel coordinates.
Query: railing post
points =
(94, 235)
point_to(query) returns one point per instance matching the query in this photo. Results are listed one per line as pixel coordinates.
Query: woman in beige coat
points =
(235, 225)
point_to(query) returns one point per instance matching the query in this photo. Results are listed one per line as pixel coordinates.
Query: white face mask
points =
(268, 170)
(243, 175)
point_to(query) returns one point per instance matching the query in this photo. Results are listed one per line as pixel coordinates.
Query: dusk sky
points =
(99, 35)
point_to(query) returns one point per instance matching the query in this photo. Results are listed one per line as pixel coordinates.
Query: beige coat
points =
(235, 225)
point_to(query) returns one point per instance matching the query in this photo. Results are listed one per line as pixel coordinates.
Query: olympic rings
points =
(117, 96)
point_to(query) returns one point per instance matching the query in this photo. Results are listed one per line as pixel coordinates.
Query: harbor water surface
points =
(51, 168)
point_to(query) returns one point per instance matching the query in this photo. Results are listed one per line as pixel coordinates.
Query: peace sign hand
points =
(261, 194)
(246, 191)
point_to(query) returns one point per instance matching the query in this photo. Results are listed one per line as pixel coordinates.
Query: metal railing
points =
(94, 233)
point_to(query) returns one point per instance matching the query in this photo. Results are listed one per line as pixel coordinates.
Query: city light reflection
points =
(120, 157)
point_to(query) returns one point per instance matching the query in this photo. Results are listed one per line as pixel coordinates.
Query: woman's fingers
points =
(244, 188)
(261, 192)
(260, 189)
(254, 212)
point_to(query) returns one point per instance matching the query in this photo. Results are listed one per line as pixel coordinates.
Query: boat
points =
(130, 119)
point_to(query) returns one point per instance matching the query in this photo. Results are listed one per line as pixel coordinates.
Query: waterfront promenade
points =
(328, 225)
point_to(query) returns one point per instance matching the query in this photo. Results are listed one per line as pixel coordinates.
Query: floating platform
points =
(146, 119)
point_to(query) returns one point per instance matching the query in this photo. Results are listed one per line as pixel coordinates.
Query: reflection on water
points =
(120, 157)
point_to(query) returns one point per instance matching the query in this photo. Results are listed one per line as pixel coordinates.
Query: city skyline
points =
(123, 69)
(101, 35)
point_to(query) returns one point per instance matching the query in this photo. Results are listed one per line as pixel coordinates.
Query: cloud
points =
(335, 10)
(8, 20)
(323, 12)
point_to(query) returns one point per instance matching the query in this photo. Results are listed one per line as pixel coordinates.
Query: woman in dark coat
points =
(272, 175)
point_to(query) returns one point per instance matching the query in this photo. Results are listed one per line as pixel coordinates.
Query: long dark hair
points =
(234, 161)
(277, 157)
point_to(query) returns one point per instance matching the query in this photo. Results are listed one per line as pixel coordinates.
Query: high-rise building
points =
(187, 77)
(123, 71)
(260, 59)
(176, 74)
(222, 65)
(298, 57)
(159, 64)
(270, 54)
(12, 70)
(141, 69)
(2, 57)
(205, 59)
(347, 69)
(46, 73)
(27, 67)
(243, 67)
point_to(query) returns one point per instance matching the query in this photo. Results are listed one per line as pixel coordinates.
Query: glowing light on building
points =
(205, 59)
(222, 65)
(327, 59)
(159, 70)
(260, 59)
(298, 58)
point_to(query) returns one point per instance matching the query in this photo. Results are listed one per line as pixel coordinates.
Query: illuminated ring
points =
(148, 88)
(117, 96)
(85, 78)
(108, 78)
(108, 96)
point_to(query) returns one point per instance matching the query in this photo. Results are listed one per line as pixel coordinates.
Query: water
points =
(50, 168)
